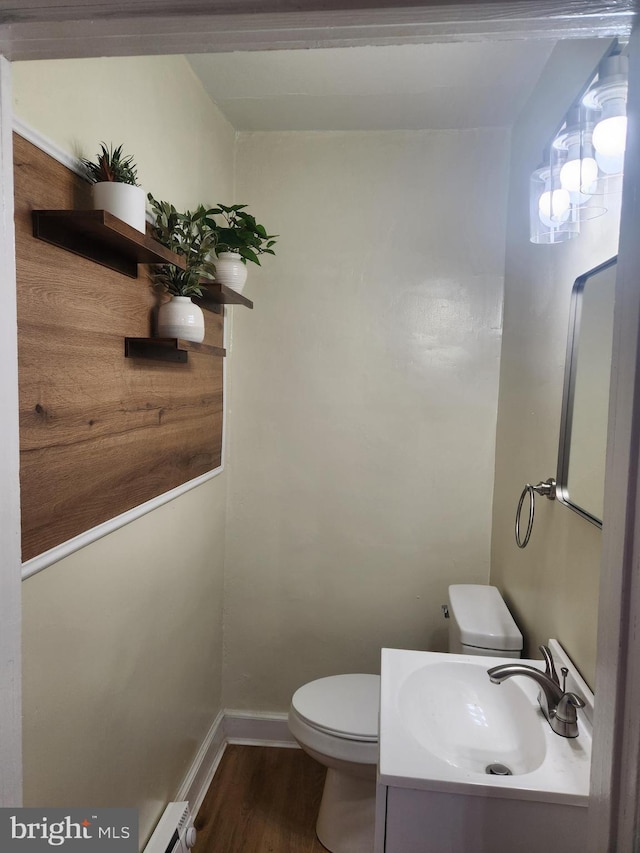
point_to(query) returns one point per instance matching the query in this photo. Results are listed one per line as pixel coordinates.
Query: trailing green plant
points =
(242, 234)
(111, 165)
(190, 234)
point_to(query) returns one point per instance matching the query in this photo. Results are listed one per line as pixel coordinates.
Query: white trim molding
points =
(252, 728)
(53, 555)
(10, 600)
(615, 768)
(196, 782)
(47, 145)
(54, 29)
(255, 728)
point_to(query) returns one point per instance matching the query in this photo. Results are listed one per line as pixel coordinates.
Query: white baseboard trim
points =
(257, 729)
(252, 728)
(196, 782)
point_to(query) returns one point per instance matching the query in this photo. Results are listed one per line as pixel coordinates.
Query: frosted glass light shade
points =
(610, 165)
(578, 176)
(554, 207)
(610, 136)
(608, 96)
(572, 151)
(551, 214)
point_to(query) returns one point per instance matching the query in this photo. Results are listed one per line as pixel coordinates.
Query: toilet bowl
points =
(335, 719)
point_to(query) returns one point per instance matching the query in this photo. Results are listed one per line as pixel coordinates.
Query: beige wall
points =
(123, 640)
(552, 585)
(363, 399)
(363, 402)
(155, 106)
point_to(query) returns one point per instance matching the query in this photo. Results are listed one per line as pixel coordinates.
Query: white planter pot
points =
(180, 318)
(230, 271)
(122, 200)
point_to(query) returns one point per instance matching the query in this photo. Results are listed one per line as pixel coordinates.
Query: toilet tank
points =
(480, 622)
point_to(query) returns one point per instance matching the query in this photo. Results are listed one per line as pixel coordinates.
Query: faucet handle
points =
(549, 666)
(565, 719)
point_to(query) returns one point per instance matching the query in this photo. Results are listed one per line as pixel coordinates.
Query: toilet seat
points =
(335, 721)
(344, 706)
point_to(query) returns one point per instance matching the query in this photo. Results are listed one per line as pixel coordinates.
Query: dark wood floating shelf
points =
(101, 237)
(215, 294)
(167, 349)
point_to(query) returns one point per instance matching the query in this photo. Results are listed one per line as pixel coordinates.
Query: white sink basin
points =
(443, 723)
(459, 716)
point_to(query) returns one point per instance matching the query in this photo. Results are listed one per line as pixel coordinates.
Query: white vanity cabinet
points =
(444, 725)
(418, 821)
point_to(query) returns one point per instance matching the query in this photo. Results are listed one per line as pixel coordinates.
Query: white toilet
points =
(480, 623)
(335, 719)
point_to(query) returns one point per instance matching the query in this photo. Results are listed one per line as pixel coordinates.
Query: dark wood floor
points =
(262, 800)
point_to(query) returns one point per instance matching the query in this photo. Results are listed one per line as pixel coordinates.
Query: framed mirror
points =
(585, 407)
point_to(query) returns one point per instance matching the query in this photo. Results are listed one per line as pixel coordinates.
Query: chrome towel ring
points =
(548, 489)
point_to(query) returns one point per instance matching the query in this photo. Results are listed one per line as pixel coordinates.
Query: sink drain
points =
(498, 770)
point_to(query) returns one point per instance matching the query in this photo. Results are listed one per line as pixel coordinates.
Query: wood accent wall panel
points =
(99, 433)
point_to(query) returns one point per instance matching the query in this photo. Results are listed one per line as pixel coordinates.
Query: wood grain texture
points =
(167, 349)
(99, 433)
(103, 238)
(215, 294)
(261, 800)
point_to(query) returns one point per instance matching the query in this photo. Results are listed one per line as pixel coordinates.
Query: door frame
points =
(614, 820)
(55, 29)
(10, 564)
(51, 29)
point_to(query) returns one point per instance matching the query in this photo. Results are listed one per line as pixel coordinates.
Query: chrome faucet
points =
(549, 666)
(558, 707)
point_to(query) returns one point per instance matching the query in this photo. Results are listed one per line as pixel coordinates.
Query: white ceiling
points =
(432, 86)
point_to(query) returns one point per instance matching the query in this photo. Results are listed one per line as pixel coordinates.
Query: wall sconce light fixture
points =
(583, 158)
(551, 213)
(608, 97)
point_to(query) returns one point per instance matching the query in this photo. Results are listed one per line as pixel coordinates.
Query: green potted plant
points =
(115, 185)
(191, 235)
(238, 240)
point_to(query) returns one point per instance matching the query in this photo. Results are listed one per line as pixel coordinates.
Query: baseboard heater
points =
(175, 832)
